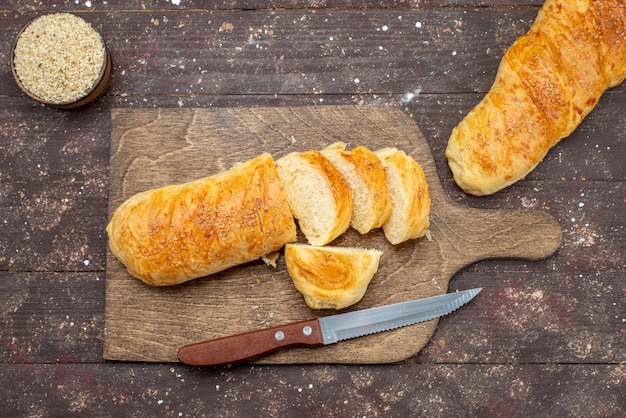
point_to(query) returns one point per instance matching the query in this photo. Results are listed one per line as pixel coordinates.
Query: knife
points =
(322, 331)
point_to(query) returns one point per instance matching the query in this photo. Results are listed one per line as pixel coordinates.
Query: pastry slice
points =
(331, 277)
(410, 199)
(318, 194)
(366, 176)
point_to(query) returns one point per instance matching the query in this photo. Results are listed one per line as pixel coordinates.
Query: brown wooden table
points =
(544, 338)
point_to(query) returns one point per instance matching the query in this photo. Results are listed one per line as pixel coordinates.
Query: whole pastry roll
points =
(547, 82)
(176, 233)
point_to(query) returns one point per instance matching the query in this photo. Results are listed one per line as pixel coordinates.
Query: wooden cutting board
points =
(155, 147)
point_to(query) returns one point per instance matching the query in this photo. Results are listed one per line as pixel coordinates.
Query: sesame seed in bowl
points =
(60, 60)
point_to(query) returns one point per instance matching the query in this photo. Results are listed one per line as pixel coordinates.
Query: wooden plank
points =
(53, 226)
(51, 317)
(512, 390)
(541, 317)
(300, 51)
(43, 145)
(522, 316)
(428, 50)
(251, 5)
(154, 148)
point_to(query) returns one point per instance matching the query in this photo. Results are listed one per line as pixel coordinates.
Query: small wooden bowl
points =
(90, 96)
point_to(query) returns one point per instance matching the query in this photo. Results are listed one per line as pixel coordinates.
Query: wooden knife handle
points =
(251, 344)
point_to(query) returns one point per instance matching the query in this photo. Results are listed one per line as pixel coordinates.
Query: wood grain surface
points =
(155, 147)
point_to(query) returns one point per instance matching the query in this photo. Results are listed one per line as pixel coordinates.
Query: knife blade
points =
(322, 331)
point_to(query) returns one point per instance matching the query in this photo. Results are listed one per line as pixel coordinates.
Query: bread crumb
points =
(271, 258)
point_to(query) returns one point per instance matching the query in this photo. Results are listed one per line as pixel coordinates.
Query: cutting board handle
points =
(501, 233)
(526, 234)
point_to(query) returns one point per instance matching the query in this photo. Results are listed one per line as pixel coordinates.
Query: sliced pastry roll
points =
(176, 233)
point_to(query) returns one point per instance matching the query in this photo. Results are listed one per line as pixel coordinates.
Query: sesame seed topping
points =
(59, 57)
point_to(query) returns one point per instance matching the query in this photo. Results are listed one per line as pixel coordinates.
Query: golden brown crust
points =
(547, 82)
(331, 277)
(372, 206)
(176, 233)
(372, 171)
(409, 194)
